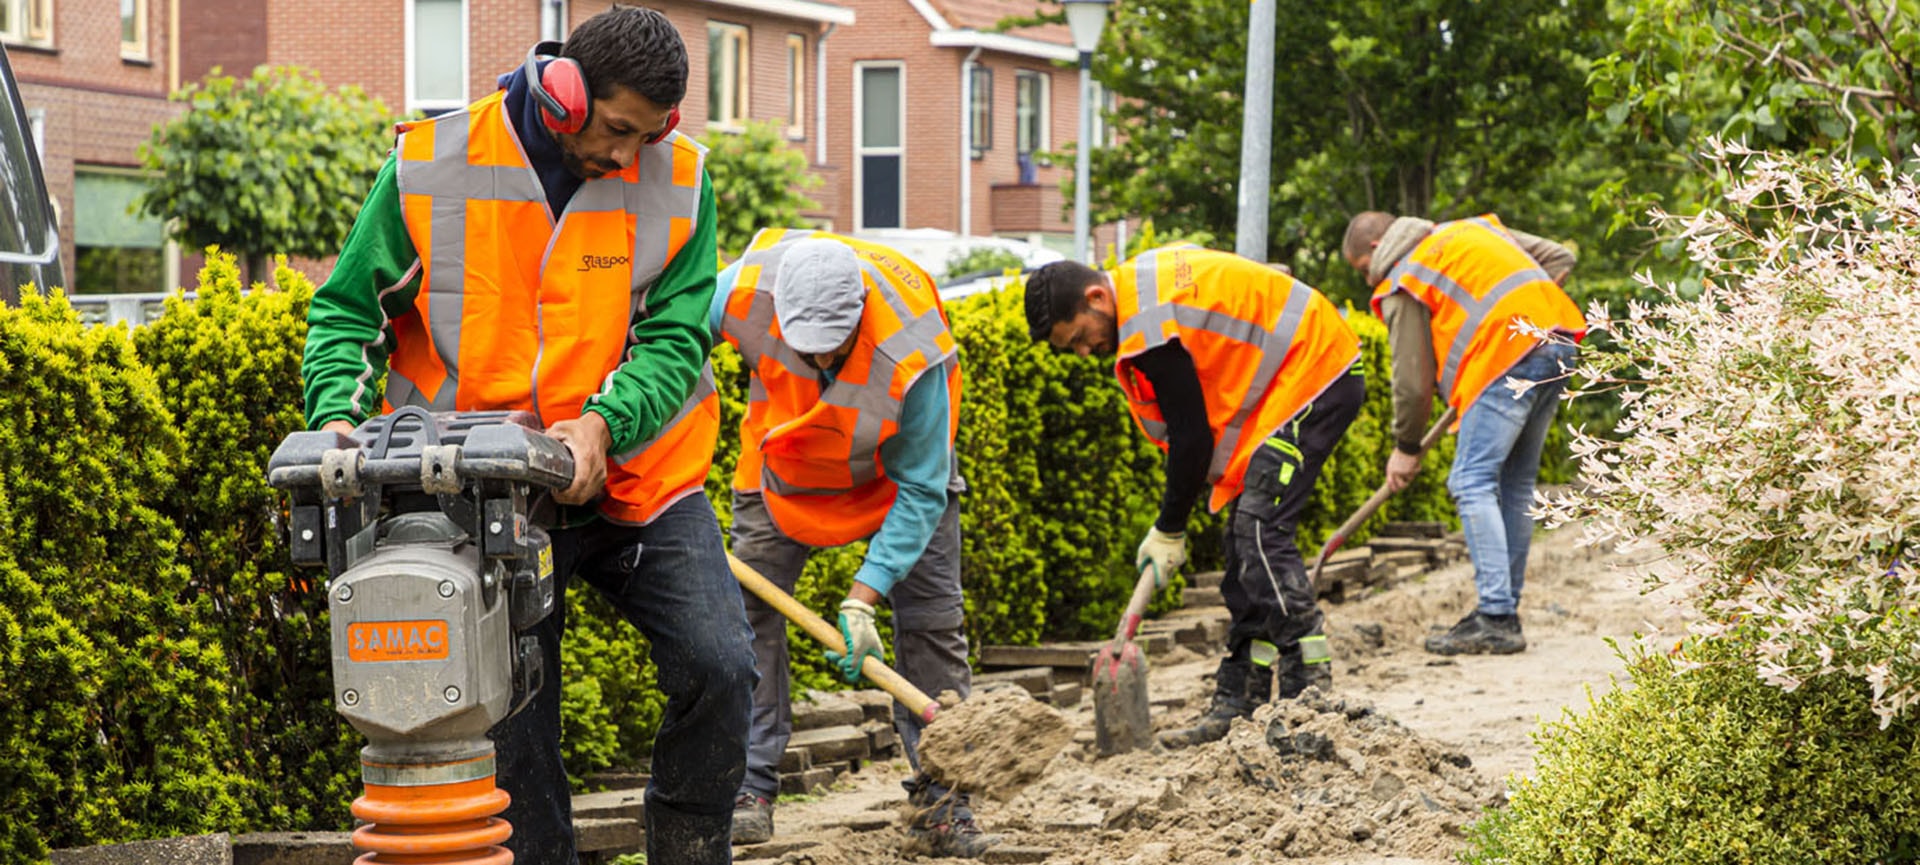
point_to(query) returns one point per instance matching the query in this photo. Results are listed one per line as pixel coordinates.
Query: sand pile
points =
(1319, 776)
(993, 743)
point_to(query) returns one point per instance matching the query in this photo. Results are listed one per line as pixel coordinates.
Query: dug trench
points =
(1389, 766)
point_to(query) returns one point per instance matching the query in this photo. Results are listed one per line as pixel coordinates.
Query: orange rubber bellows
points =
(435, 824)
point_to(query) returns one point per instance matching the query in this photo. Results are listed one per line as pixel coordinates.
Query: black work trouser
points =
(670, 579)
(1266, 587)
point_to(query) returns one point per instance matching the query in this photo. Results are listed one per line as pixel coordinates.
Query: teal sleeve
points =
(668, 342)
(350, 322)
(919, 458)
(723, 287)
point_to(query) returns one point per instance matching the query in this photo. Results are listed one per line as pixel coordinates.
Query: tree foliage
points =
(273, 163)
(759, 181)
(1438, 108)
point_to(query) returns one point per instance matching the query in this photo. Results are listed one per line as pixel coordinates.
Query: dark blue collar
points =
(543, 151)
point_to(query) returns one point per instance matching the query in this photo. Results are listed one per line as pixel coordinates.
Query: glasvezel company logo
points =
(601, 262)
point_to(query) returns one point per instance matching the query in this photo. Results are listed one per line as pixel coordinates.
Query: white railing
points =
(134, 309)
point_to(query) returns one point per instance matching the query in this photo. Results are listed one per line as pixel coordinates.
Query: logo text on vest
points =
(601, 262)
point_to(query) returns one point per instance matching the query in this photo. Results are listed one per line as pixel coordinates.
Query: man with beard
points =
(551, 249)
(1247, 378)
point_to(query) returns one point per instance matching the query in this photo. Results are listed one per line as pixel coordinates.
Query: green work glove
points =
(1166, 551)
(856, 628)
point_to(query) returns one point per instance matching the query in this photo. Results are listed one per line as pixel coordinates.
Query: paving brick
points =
(832, 743)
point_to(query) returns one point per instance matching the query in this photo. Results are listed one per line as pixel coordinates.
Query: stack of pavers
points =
(836, 733)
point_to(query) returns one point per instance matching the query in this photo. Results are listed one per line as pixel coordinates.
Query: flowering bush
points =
(1772, 430)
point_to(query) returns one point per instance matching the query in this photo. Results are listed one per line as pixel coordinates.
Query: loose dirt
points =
(1406, 749)
(994, 744)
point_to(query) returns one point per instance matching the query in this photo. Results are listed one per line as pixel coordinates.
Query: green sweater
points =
(350, 325)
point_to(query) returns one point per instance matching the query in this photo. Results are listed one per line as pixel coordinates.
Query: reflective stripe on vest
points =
(892, 363)
(530, 306)
(1263, 346)
(1553, 310)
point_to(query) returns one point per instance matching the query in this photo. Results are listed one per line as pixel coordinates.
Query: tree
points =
(759, 181)
(274, 163)
(1439, 108)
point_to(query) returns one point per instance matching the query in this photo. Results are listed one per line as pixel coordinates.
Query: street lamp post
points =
(1086, 18)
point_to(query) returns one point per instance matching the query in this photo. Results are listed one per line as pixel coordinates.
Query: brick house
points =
(94, 77)
(877, 93)
(898, 72)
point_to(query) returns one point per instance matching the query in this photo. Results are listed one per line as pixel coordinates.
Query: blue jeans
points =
(670, 580)
(1495, 464)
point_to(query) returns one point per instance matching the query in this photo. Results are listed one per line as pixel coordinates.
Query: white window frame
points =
(859, 150)
(737, 96)
(1104, 100)
(797, 86)
(37, 128)
(21, 30)
(135, 49)
(169, 248)
(980, 110)
(414, 103)
(1043, 111)
(554, 18)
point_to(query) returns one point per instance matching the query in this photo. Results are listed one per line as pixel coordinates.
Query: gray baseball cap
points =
(820, 296)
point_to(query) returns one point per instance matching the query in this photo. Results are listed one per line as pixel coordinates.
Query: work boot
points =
(1307, 665)
(1480, 634)
(752, 820)
(942, 826)
(1230, 701)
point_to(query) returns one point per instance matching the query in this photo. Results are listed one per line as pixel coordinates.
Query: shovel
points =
(1378, 498)
(1120, 722)
(876, 671)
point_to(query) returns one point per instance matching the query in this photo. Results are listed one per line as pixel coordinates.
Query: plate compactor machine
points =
(430, 526)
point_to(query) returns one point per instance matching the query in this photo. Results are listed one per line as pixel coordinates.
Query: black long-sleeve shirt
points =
(1176, 387)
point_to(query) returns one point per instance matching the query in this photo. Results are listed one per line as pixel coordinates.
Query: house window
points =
(879, 96)
(436, 55)
(133, 29)
(26, 22)
(980, 110)
(117, 250)
(37, 124)
(1103, 104)
(1030, 112)
(796, 85)
(553, 20)
(726, 75)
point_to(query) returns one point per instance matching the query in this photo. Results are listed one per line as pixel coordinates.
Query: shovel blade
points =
(1120, 708)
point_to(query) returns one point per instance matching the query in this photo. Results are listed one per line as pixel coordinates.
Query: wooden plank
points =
(1195, 597)
(1075, 656)
(831, 743)
(826, 710)
(1421, 529)
(1037, 681)
(611, 805)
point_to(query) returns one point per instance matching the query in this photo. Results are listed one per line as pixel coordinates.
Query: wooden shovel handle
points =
(893, 683)
(1379, 496)
(1136, 605)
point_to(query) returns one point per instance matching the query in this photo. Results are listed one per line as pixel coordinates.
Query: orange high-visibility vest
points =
(535, 316)
(1264, 345)
(815, 454)
(1476, 281)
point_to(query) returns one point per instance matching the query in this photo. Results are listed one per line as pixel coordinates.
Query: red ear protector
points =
(561, 90)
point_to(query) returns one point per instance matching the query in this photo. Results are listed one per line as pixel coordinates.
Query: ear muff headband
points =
(561, 89)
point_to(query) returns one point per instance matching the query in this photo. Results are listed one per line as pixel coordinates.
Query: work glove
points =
(1166, 551)
(856, 628)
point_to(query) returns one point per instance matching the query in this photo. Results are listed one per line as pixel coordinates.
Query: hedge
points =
(1701, 763)
(167, 669)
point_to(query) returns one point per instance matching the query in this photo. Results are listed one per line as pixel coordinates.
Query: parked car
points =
(29, 236)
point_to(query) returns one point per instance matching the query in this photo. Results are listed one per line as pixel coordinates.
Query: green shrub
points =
(760, 180)
(983, 258)
(228, 368)
(116, 705)
(1702, 762)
